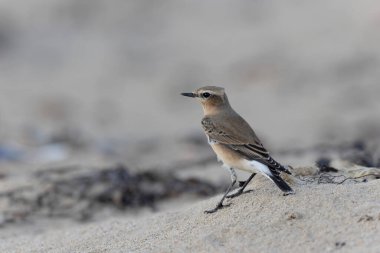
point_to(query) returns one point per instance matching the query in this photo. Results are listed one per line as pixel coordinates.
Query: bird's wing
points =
(244, 142)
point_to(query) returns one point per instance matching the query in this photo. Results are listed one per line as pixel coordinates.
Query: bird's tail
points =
(281, 184)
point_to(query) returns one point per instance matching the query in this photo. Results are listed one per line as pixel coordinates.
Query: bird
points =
(235, 143)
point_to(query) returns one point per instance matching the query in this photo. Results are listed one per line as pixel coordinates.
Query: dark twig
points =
(327, 178)
(353, 178)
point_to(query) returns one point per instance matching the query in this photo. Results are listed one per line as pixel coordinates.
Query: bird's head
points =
(212, 98)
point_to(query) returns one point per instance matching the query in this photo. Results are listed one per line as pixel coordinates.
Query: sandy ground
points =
(97, 83)
(319, 218)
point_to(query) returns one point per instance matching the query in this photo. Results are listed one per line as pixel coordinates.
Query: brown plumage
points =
(234, 141)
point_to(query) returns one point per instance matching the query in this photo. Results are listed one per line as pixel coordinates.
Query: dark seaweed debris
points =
(81, 196)
(324, 165)
(357, 152)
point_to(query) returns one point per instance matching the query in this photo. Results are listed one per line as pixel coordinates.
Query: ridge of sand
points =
(319, 218)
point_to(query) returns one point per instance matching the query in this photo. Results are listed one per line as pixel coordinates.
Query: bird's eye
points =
(206, 94)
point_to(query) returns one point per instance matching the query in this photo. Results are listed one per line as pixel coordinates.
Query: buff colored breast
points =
(231, 158)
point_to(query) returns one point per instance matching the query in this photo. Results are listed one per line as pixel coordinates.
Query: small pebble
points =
(293, 216)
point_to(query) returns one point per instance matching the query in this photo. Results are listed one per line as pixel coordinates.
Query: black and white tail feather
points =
(272, 170)
(275, 169)
(281, 184)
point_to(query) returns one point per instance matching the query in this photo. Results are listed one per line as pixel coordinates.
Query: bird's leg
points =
(241, 189)
(220, 203)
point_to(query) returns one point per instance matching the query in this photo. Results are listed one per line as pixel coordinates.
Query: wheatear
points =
(234, 142)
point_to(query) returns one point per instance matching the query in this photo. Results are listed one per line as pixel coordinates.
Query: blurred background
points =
(91, 83)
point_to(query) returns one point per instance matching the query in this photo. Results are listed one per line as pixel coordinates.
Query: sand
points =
(318, 218)
(109, 74)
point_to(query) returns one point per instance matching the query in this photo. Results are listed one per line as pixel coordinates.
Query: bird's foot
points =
(238, 193)
(219, 206)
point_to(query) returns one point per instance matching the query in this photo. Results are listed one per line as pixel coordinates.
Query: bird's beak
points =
(189, 94)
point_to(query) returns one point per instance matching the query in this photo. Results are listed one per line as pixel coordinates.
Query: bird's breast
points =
(228, 156)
